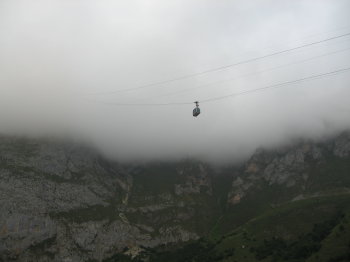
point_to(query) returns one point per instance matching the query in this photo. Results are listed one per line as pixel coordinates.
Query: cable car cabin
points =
(196, 110)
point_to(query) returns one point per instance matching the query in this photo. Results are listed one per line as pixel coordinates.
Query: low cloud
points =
(59, 60)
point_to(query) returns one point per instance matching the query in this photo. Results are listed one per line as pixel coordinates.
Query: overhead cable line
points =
(143, 104)
(221, 67)
(312, 77)
(343, 70)
(254, 73)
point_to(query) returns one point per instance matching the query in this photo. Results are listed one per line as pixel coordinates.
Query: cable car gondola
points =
(196, 110)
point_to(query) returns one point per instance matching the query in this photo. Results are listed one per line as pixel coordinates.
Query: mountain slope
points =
(274, 177)
(61, 201)
(65, 202)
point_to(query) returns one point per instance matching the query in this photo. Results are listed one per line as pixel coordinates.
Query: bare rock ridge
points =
(65, 202)
(296, 168)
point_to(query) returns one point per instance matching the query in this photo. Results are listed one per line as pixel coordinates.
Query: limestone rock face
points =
(289, 167)
(341, 146)
(64, 202)
(196, 179)
(19, 232)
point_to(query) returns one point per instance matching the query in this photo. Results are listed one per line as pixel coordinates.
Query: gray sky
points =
(56, 56)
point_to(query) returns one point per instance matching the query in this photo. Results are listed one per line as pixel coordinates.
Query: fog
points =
(62, 63)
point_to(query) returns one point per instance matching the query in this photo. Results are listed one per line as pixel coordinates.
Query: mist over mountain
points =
(66, 202)
(103, 160)
(61, 60)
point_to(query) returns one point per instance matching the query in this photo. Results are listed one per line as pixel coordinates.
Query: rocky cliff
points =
(65, 202)
(300, 167)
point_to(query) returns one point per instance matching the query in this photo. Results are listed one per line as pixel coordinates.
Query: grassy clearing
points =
(292, 232)
(299, 231)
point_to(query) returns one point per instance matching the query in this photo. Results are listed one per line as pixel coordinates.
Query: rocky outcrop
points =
(341, 145)
(64, 202)
(290, 166)
(196, 180)
(19, 232)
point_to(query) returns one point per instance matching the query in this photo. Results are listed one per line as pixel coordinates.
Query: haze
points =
(61, 61)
